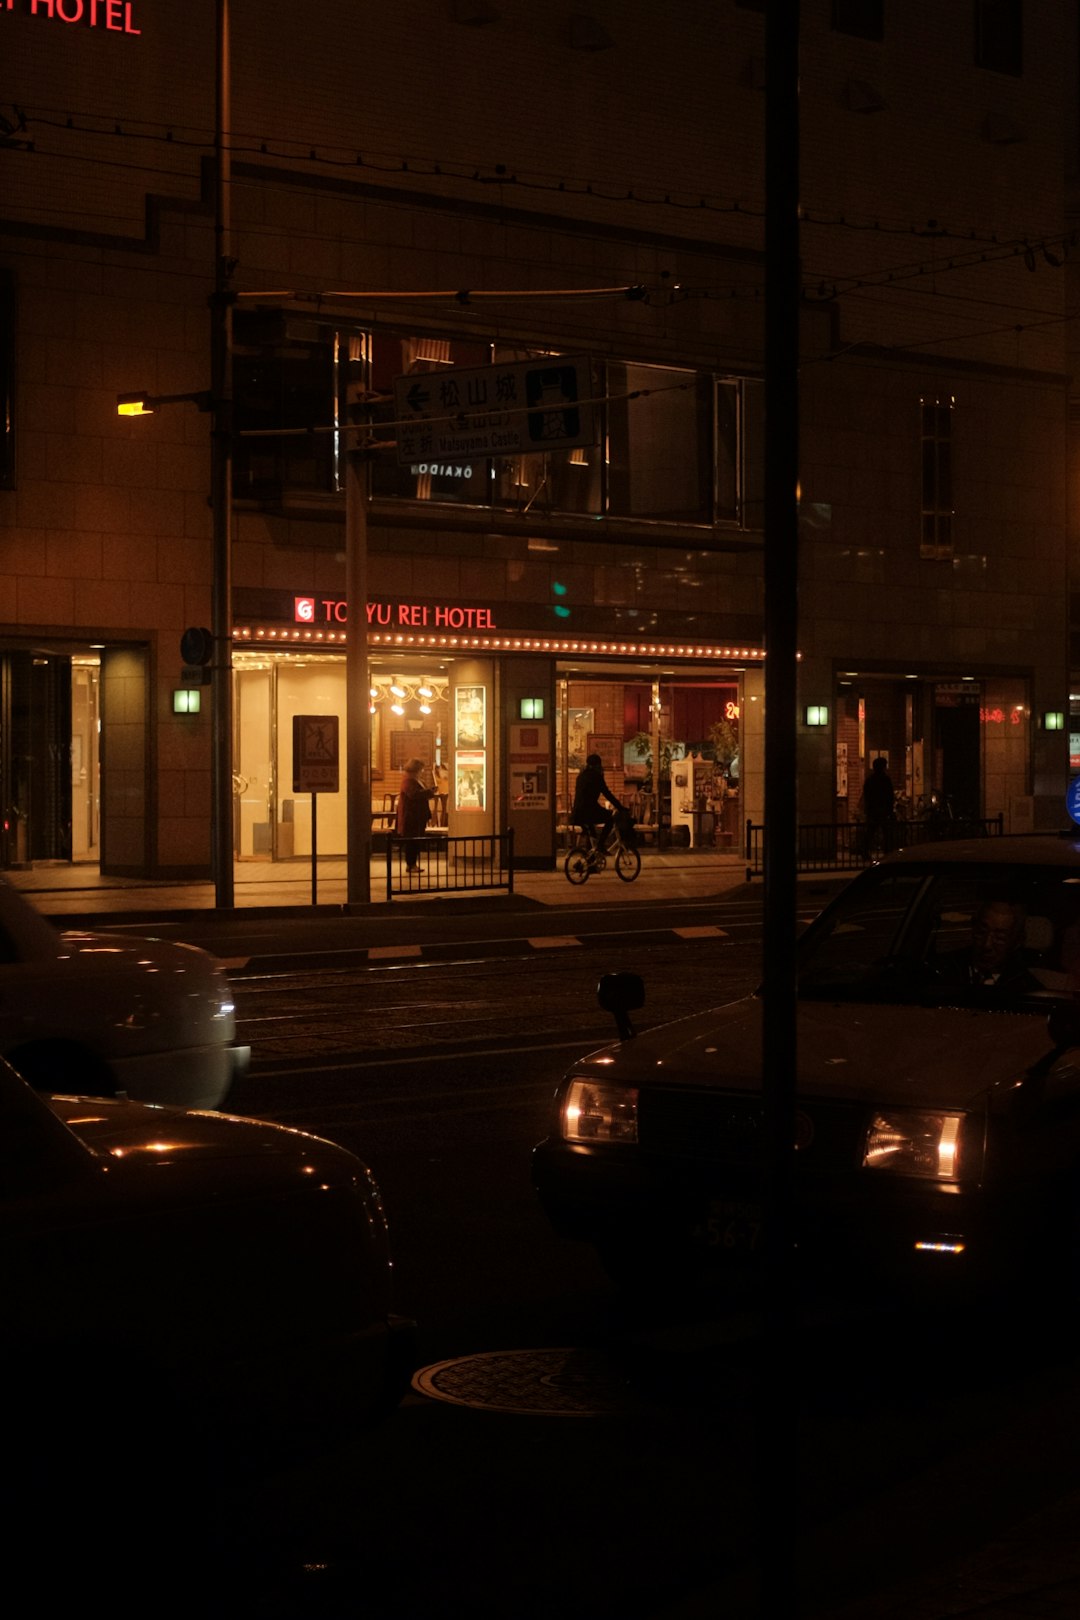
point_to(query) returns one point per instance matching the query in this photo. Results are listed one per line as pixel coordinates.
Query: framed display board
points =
(578, 725)
(470, 717)
(470, 779)
(610, 749)
(406, 745)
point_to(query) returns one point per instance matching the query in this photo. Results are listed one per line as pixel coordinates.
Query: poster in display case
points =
(579, 722)
(406, 745)
(470, 717)
(530, 771)
(470, 779)
(609, 747)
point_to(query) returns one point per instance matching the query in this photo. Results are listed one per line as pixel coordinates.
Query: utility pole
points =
(357, 676)
(778, 1456)
(357, 681)
(221, 479)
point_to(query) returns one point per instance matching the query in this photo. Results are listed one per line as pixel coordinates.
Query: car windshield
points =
(964, 933)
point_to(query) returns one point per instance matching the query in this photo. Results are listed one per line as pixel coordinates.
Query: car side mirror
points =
(621, 994)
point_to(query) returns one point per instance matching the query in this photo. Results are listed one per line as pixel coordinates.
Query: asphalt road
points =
(918, 1435)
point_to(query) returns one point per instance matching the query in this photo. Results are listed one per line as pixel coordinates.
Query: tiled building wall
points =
(109, 529)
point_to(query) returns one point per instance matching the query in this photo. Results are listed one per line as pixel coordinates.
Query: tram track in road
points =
(317, 1019)
(271, 970)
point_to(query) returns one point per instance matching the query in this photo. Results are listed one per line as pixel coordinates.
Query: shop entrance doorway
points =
(35, 755)
(85, 759)
(670, 749)
(957, 747)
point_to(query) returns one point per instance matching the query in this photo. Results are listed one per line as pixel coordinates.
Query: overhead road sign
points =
(462, 415)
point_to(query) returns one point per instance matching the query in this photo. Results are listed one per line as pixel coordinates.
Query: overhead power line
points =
(487, 174)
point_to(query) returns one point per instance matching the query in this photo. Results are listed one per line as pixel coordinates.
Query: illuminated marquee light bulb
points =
(396, 708)
(398, 691)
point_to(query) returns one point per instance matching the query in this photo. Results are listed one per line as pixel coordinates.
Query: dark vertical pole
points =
(357, 716)
(221, 482)
(314, 849)
(778, 1450)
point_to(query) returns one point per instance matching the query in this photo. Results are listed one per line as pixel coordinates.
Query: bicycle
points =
(589, 856)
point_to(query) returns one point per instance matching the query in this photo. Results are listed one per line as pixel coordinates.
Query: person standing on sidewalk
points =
(879, 800)
(413, 810)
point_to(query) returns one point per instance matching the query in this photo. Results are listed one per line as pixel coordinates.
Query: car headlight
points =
(593, 1111)
(914, 1144)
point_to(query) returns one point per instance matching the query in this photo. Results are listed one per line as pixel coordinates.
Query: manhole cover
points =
(546, 1383)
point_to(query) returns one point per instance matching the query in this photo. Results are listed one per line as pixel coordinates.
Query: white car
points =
(141, 1018)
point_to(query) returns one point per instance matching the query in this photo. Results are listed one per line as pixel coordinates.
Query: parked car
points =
(142, 1018)
(938, 1093)
(186, 1297)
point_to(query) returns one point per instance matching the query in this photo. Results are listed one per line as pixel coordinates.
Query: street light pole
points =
(357, 717)
(221, 479)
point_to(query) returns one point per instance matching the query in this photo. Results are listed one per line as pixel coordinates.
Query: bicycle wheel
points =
(576, 866)
(627, 863)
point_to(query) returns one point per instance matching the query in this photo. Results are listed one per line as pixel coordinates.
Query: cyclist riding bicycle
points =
(588, 813)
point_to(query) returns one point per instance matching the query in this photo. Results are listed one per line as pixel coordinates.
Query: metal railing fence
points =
(435, 864)
(846, 846)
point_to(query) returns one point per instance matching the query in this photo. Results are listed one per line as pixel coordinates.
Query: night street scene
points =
(593, 489)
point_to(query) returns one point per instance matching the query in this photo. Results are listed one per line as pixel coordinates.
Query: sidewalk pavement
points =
(80, 890)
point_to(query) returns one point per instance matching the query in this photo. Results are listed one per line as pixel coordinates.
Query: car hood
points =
(107, 951)
(135, 1141)
(927, 1057)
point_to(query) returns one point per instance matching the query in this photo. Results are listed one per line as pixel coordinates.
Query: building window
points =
(863, 18)
(284, 376)
(458, 483)
(937, 480)
(7, 380)
(999, 36)
(671, 445)
(659, 450)
(740, 452)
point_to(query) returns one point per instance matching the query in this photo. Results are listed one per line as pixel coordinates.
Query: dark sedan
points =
(938, 1110)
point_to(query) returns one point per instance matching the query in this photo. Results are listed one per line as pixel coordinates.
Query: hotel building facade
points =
(440, 213)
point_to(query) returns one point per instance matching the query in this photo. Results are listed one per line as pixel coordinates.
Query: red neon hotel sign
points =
(114, 16)
(407, 615)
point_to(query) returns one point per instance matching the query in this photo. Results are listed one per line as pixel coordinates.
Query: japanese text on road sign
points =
(459, 415)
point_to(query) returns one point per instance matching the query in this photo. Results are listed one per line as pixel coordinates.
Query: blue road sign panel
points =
(459, 415)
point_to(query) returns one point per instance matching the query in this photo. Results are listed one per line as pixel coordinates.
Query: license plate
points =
(731, 1225)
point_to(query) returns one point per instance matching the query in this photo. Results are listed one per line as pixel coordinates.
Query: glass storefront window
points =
(672, 445)
(283, 380)
(659, 443)
(690, 726)
(409, 717)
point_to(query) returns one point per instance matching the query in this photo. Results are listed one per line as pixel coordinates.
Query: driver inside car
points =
(994, 957)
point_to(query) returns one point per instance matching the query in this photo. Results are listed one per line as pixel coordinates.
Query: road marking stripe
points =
(546, 941)
(379, 952)
(705, 931)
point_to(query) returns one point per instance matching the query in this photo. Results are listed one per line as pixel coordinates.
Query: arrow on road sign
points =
(417, 397)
